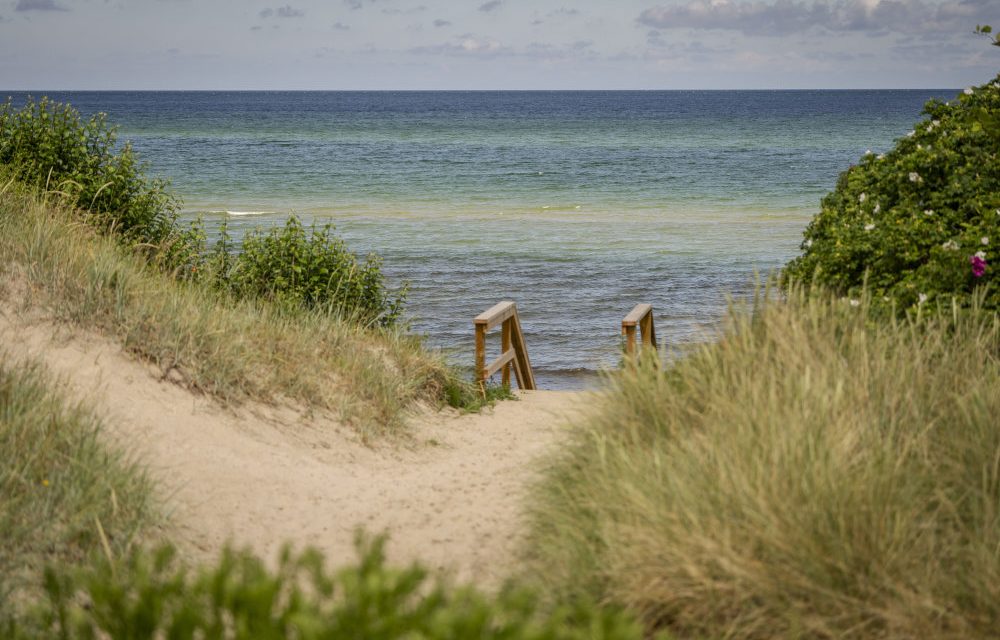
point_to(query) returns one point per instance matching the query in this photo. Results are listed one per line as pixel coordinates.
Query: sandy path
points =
(259, 477)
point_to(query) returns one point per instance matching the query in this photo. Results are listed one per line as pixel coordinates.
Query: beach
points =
(576, 205)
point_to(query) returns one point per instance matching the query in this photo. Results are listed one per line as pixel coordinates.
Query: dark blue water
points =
(575, 204)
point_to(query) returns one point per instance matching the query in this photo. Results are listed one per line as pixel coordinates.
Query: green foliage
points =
(813, 473)
(987, 30)
(234, 350)
(47, 146)
(310, 268)
(61, 487)
(50, 147)
(920, 222)
(471, 397)
(154, 595)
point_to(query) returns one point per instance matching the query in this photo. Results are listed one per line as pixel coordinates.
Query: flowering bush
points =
(922, 221)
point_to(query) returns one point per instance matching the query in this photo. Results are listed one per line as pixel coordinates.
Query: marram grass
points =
(65, 492)
(816, 473)
(234, 350)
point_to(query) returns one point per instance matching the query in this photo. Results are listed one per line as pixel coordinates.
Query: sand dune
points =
(449, 495)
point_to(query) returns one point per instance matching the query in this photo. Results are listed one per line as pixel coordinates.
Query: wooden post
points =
(648, 330)
(641, 318)
(505, 331)
(527, 379)
(629, 332)
(481, 355)
(512, 342)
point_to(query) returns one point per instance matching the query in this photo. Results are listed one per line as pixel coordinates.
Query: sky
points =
(495, 44)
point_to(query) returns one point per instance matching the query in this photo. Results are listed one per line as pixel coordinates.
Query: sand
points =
(449, 495)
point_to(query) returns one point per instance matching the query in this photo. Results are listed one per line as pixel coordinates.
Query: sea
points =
(577, 205)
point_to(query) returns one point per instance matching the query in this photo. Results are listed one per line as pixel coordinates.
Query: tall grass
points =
(64, 493)
(232, 349)
(815, 473)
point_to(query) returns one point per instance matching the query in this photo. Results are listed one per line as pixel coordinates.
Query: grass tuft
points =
(815, 473)
(64, 493)
(232, 349)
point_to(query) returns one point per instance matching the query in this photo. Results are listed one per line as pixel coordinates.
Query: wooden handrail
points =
(641, 317)
(513, 349)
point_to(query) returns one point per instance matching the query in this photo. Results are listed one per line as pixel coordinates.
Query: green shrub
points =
(922, 221)
(61, 487)
(812, 474)
(310, 268)
(154, 595)
(234, 350)
(50, 147)
(47, 146)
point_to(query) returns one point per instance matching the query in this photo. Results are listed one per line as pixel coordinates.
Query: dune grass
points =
(65, 493)
(234, 350)
(816, 473)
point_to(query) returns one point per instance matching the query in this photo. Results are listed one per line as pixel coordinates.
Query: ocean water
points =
(576, 205)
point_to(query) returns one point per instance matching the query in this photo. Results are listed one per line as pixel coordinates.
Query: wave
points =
(244, 213)
(558, 378)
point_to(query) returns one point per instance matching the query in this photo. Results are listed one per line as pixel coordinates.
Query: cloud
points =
(783, 17)
(563, 11)
(409, 12)
(580, 49)
(340, 26)
(287, 11)
(492, 5)
(441, 23)
(663, 48)
(39, 5)
(354, 5)
(466, 45)
(471, 46)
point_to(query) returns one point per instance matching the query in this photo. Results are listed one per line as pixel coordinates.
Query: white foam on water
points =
(247, 213)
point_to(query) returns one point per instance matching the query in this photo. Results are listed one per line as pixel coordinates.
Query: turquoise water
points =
(577, 205)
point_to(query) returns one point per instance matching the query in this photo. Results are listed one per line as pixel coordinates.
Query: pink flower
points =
(978, 266)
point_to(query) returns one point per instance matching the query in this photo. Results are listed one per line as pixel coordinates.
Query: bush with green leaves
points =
(312, 268)
(920, 223)
(49, 146)
(154, 595)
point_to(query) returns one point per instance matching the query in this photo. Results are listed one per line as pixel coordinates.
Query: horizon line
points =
(230, 90)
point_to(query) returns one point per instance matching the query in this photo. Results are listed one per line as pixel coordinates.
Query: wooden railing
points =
(513, 349)
(641, 318)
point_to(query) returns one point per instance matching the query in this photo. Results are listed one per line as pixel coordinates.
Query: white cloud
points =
(287, 11)
(466, 45)
(471, 46)
(783, 17)
(39, 5)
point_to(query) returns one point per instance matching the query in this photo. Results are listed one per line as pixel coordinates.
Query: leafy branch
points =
(987, 30)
